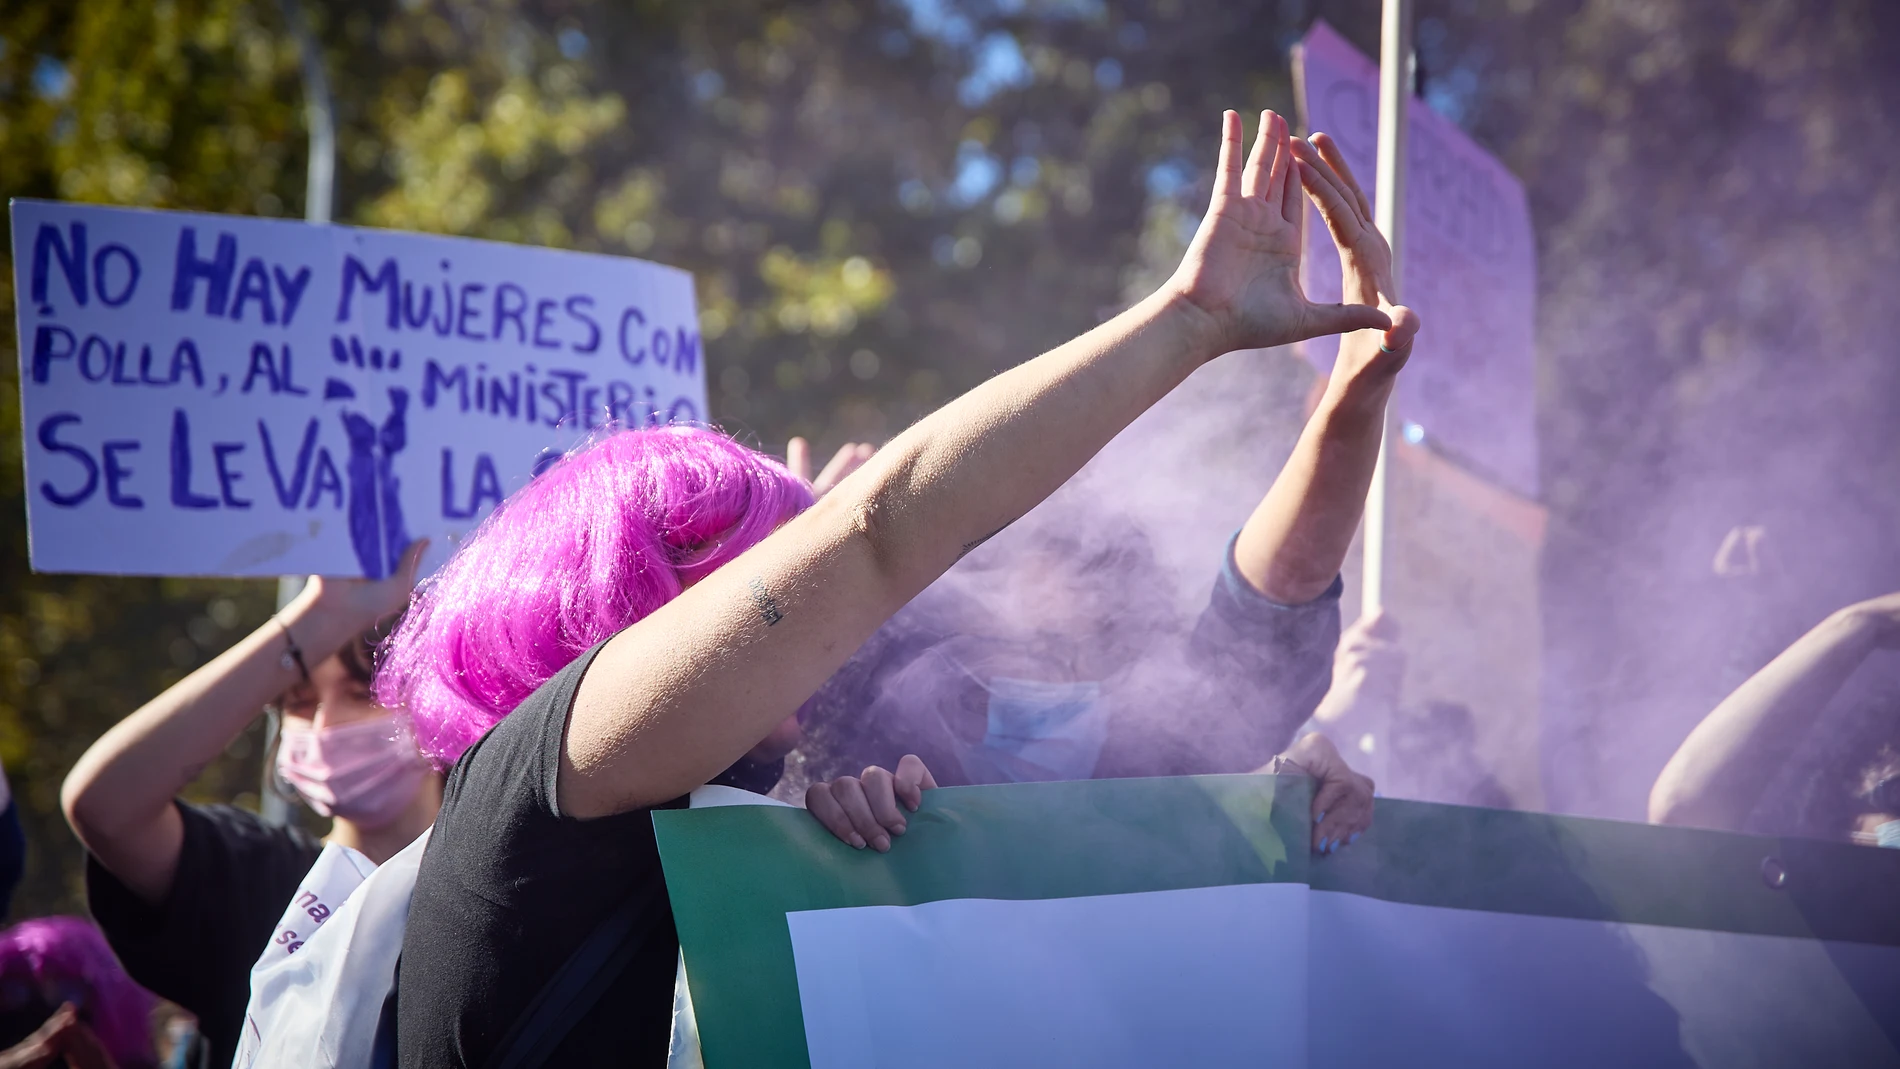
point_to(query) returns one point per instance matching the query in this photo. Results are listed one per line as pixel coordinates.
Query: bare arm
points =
(118, 798)
(1716, 776)
(1294, 543)
(681, 694)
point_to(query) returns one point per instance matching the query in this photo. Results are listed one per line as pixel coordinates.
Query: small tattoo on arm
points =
(763, 600)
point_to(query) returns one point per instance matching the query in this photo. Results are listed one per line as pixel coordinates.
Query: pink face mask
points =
(365, 772)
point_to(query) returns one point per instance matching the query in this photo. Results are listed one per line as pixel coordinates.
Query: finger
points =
(1403, 331)
(1253, 179)
(850, 795)
(798, 458)
(1348, 818)
(1304, 151)
(1227, 171)
(913, 779)
(820, 804)
(880, 790)
(849, 458)
(1335, 159)
(1381, 624)
(1341, 221)
(1333, 793)
(1322, 319)
(1271, 125)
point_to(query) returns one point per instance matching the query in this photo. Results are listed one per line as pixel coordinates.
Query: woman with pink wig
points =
(600, 603)
(63, 995)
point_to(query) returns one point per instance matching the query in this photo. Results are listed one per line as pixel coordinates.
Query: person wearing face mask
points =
(189, 895)
(1720, 774)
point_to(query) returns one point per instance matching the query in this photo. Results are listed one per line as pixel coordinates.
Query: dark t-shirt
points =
(235, 876)
(13, 854)
(510, 887)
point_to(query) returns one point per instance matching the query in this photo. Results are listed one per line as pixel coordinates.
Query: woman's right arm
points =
(680, 695)
(1716, 777)
(118, 797)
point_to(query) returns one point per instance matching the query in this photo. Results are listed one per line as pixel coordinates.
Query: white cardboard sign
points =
(217, 395)
(1470, 269)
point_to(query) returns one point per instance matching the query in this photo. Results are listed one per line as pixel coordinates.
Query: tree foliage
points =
(884, 201)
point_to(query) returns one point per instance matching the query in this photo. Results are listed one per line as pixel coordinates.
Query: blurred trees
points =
(1716, 188)
(883, 201)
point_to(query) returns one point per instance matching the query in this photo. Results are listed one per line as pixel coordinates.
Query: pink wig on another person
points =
(55, 960)
(609, 533)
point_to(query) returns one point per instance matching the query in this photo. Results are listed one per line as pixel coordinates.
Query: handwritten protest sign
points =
(1470, 268)
(211, 395)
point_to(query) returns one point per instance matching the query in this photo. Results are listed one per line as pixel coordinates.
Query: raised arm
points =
(1292, 546)
(1717, 775)
(118, 798)
(675, 698)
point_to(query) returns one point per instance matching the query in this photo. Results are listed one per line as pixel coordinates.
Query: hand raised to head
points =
(1243, 267)
(368, 601)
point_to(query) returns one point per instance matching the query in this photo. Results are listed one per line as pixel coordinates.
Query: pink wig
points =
(54, 960)
(609, 533)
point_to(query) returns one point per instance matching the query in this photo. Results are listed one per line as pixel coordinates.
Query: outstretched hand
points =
(1364, 256)
(864, 810)
(1243, 267)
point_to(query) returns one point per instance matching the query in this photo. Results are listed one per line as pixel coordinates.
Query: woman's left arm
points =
(1294, 543)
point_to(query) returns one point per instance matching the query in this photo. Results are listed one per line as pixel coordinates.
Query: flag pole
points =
(1395, 96)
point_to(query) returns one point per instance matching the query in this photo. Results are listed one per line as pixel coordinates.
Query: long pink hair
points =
(606, 535)
(53, 960)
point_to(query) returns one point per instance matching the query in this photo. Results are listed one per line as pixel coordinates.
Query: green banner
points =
(1130, 921)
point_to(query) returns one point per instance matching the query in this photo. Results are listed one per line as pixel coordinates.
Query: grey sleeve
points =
(1249, 674)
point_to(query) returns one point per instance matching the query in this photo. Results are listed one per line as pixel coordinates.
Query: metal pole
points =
(1395, 96)
(319, 117)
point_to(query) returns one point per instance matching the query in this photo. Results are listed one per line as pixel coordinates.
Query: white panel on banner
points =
(214, 395)
(1470, 269)
(1201, 976)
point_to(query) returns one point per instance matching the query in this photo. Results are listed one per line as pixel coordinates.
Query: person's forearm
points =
(1292, 546)
(1718, 773)
(826, 580)
(127, 780)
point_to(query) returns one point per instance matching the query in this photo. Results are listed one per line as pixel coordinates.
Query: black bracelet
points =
(293, 656)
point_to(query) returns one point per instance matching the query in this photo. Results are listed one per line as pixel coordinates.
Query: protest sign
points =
(213, 395)
(1184, 922)
(1469, 268)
